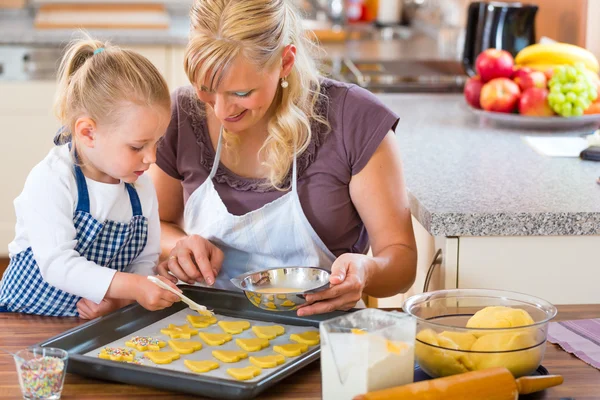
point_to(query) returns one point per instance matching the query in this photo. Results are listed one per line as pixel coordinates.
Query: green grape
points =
(560, 98)
(581, 102)
(567, 87)
(579, 87)
(572, 89)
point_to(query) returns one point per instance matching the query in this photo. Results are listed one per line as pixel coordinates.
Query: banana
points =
(557, 53)
(547, 67)
(539, 66)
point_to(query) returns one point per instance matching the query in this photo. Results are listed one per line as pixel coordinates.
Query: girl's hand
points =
(193, 259)
(348, 280)
(152, 297)
(89, 310)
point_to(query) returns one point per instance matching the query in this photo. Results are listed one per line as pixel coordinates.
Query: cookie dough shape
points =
(254, 344)
(268, 361)
(179, 331)
(143, 343)
(117, 354)
(162, 357)
(201, 366)
(288, 303)
(271, 305)
(234, 327)
(229, 356)
(310, 338)
(291, 349)
(215, 339)
(243, 374)
(185, 346)
(268, 332)
(201, 321)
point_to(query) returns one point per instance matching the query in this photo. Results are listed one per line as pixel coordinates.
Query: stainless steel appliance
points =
(400, 76)
(22, 63)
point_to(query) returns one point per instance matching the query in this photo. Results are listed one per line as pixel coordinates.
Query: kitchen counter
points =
(581, 381)
(16, 28)
(468, 178)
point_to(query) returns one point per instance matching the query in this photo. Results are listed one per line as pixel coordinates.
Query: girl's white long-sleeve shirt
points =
(45, 210)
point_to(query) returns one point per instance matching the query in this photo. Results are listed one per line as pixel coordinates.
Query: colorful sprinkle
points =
(42, 377)
(118, 351)
(145, 341)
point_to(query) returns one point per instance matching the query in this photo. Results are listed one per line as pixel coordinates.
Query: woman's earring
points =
(284, 83)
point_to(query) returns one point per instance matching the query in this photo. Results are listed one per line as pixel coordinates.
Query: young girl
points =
(88, 230)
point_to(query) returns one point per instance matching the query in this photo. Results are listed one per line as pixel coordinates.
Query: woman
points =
(267, 164)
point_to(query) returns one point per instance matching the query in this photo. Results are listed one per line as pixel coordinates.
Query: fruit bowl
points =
(445, 346)
(555, 123)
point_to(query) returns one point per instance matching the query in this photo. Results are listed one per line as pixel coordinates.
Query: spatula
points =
(191, 303)
(489, 384)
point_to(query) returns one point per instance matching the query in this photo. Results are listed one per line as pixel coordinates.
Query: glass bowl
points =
(445, 346)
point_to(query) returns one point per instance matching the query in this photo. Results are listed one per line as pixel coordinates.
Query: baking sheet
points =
(83, 342)
(205, 353)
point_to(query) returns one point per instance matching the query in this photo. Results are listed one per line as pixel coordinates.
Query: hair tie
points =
(98, 50)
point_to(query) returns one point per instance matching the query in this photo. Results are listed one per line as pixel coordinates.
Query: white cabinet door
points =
(27, 126)
(178, 75)
(559, 269)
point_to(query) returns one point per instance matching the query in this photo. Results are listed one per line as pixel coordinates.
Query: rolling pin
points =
(489, 384)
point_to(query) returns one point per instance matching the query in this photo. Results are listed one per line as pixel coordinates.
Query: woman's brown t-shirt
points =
(359, 122)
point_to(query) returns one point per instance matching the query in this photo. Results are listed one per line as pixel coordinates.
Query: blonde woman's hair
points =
(259, 30)
(97, 79)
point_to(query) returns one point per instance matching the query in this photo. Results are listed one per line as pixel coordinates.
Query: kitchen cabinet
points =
(27, 125)
(178, 75)
(559, 269)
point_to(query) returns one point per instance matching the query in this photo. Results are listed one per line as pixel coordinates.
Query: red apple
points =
(519, 72)
(472, 91)
(494, 63)
(549, 73)
(534, 102)
(527, 78)
(500, 95)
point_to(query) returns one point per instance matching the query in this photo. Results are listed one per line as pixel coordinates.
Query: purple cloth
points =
(579, 337)
(359, 122)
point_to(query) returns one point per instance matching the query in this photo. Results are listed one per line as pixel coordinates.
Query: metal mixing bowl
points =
(301, 281)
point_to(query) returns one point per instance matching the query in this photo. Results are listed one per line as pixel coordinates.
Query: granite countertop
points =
(466, 177)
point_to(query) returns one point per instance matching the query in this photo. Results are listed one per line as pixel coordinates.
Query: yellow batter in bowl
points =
(452, 352)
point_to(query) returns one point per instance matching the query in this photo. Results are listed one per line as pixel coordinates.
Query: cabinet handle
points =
(437, 260)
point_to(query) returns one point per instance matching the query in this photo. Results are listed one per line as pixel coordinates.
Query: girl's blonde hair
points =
(259, 30)
(97, 79)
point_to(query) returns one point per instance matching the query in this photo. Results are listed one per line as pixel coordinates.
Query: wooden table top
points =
(582, 382)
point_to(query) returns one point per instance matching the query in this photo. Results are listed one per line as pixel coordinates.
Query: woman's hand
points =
(193, 259)
(348, 279)
(87, 309)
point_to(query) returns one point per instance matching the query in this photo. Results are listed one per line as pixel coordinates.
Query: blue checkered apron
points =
(110, 244)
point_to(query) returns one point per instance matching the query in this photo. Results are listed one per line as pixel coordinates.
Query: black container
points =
(506, 26)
